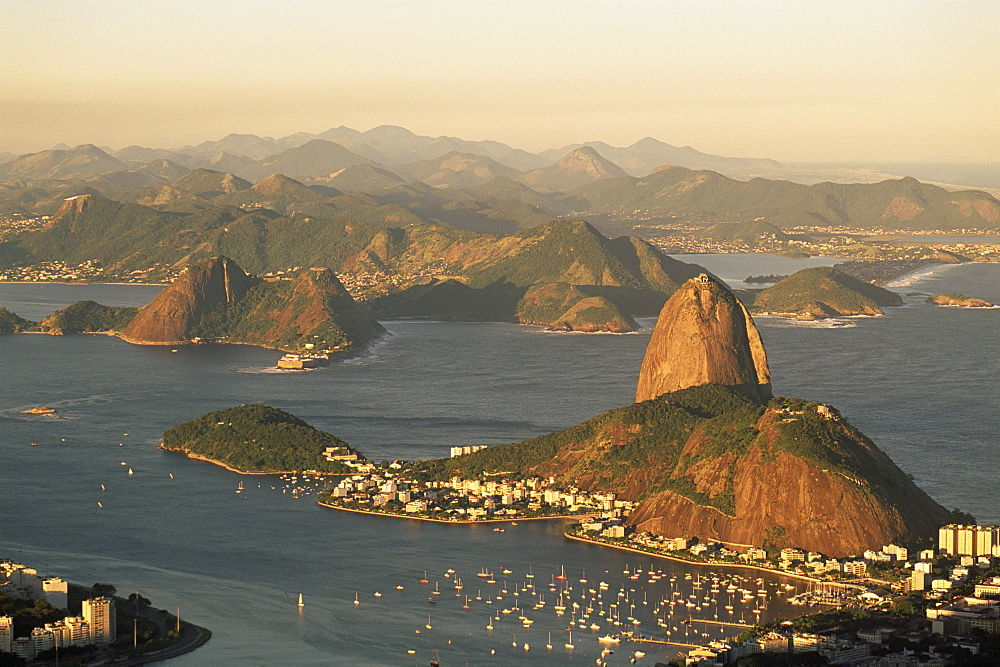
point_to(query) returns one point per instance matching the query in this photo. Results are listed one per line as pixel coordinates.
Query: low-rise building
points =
(967, 613)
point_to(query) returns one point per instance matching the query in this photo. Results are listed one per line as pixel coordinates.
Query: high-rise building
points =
(946, 539)
(100, 615)
(955, 540)
(6, 633)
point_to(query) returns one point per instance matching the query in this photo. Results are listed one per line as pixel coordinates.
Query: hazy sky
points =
(791, 80)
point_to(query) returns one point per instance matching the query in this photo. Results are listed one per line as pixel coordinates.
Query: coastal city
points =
(953, 585)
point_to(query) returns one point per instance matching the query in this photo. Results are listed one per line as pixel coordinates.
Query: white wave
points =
(828, 323)
(918, 275)
(543, 330)
(261, 370)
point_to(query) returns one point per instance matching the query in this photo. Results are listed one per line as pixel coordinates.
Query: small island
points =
(258, 439)
(959, 301)
(822, 292)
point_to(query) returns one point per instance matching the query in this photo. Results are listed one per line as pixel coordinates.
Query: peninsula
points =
(260, 439)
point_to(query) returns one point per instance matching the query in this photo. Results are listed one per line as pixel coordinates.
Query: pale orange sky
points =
(791, 80)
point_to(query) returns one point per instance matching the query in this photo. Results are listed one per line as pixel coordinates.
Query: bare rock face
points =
(704, 335)
(790, 499)
(178, 309)
(74, 205)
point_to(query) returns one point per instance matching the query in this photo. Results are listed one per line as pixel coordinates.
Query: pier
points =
(729, 623)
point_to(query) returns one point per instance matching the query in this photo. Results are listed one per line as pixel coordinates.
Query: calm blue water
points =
(922, 382)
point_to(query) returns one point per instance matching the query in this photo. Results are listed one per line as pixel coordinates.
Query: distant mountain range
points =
(322, 179)
(252, 157)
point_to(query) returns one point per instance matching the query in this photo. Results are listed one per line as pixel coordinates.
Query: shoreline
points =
(192, 636)
(676, 559)
(199, 457)
(335, 356)
(449, 521)
(81, 284)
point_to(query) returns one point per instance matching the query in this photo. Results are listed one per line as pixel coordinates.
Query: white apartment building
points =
(100, 614)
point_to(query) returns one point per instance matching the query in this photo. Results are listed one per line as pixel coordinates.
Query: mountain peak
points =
(704, 335)
(173, 313)
(587, 160)
(276, 183)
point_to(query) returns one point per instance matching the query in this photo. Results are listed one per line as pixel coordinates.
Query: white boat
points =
(569, 644)
(610, 639)
(130, 471)
(239, 488)
(356, 600)
(301, 603)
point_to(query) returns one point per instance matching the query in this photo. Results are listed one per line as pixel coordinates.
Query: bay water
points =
(922, 382)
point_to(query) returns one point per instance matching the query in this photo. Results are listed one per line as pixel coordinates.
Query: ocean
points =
(922, 382)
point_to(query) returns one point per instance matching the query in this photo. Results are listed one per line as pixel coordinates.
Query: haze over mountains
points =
(304, 155)
(317, 177)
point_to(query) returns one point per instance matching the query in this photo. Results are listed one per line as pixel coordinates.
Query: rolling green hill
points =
(87, 317)
(11, 323)
(258, 438)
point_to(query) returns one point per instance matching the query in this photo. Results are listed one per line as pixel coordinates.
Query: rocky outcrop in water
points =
(217, 301)
(959, 300)
(704, 335)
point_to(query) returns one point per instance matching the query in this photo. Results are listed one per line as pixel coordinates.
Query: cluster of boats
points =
(679, 608)
(298, 485)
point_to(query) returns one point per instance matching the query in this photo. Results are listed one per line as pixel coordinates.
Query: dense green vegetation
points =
(644, 438)
(87, 317)
(28, 613)
(12, 323)
(257, 438)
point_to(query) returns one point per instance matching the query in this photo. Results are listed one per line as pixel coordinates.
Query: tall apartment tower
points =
(6, 633)
(100, 615)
